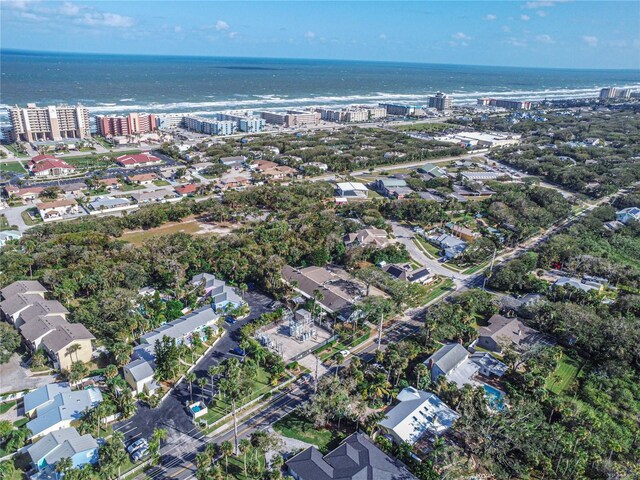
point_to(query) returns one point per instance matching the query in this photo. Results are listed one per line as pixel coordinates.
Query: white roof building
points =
(417, 414)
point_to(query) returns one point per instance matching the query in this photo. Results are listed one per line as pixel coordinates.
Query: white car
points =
(345, 353)
(138, 444)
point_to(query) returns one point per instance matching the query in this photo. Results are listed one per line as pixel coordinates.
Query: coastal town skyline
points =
(545, 34)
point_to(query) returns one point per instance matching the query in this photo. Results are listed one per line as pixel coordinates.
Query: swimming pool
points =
(195, 408)
(495, 397)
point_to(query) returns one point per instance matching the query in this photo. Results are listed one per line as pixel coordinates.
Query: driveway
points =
(172, 414)
(16, 377)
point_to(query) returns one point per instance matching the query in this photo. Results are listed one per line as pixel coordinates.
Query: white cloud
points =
(516, 42)
(310, 35)
(525, 18)
(460, 36)
(69, 9)
(506, 29)
(100, 19)
(233, 35)
(543, 3)
(544, 38)
(222, 25)
(177, 29)
(541, 13)
(490, 16)
(590, 40)
(383, 36)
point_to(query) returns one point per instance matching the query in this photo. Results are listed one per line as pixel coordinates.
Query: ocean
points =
(200, 85)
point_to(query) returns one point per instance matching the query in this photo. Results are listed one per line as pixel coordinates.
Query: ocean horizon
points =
(113, 83)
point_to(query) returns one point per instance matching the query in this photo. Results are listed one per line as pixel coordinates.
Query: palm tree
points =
(122, 352)
(202, 382)
(77, 372)
(203, 463)
(226, 450)
(159, 434)
(213, 371)
(63, 466)
(420, 370)
(190, 377)
(245, 446)
(110, 371)
(259, 355)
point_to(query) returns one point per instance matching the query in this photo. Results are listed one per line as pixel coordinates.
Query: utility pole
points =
(315, 385)
(493, 259)
(380, 330)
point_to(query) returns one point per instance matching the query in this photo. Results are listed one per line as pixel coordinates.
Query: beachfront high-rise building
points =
(53, 123)
(403, 110)
(210, 126)
(440, 102)
(613, 92)
(351, 114)
(503, 103)
(246, 122)
(132, 124)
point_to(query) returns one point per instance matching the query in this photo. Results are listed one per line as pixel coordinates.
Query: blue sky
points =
(545, 33)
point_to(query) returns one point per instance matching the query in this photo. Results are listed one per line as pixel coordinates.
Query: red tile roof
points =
(187, 189)
(41, 163)
(136, 159)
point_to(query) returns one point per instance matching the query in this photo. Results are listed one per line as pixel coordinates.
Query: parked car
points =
(230, 320)
(140, 453)
(345, 353)
(238, 351)
(138, 444)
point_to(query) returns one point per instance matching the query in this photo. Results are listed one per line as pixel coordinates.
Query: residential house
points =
(234, 162)
(58, 412)
(41, 308)
(233, 182)
(183, 328)
(357, 458)
(352, 190)
(628, 215)
(451, 246)
(111, 183)
(222, 296)
(510, 330)
(49, 166)
(339, 295)
(262, 165)
(579, 284)
(431, 196)
(409, 274)
(139, 375)
(417, 414)
(58, 345)
(367, 236)
(27, 194)
(433, 171)
(12, 306)
(200, 166)
(23, 287)
(279, 172)
(43, 397)
(8, 235)
(454, 363)
(137, 160)
(60, 444)
(143, 178)
(50, 211)
(186, 190)
(75, 189)
(462, 232)
(109, 204)
(393, 187)
(162, 195)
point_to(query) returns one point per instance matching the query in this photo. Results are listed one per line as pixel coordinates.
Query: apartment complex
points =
(613, 92)
(352, 114)
(53, 123)
(440, 102)
(503, 103)
(403, 110)
(226, 123)
(291, 118)
(246, 122)
(132, 124)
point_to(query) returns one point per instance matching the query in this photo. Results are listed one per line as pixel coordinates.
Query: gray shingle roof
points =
(357, 458)
(139, 369)
(18, 302)
(183, 325)
(448, 357)
(43, 307)
(64, 335)
(22, 286)
(39, 326)
(63, 443)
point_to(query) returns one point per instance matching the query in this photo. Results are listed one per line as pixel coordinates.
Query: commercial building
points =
(440, 102)
(357, 458)
(291, 118)
(137, 160)
(504, 103)
(49, 166)
(54, 123)
(131, 124)
(417, 414)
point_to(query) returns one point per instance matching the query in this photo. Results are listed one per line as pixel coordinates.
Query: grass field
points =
(4, 223)
(5, 407)
(161, 183)
(440, 289)
(139, 237)
(11, 148)
(297, 427)
(27, 218)
(564, 375)
(97, 160)
(431, 249)
(14, 167)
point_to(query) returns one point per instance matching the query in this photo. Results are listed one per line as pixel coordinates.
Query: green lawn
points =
(89, 161)
(12, 148)
(27, 218)
(236, 464)
(4, 223)
(424, 127)
(5, 407)
(431, 249)
(161, 183)
(564, 375)
(297, 427)
(441, 289)
(346, 344)
(219, 408)
(475, 268)
(15, 167)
